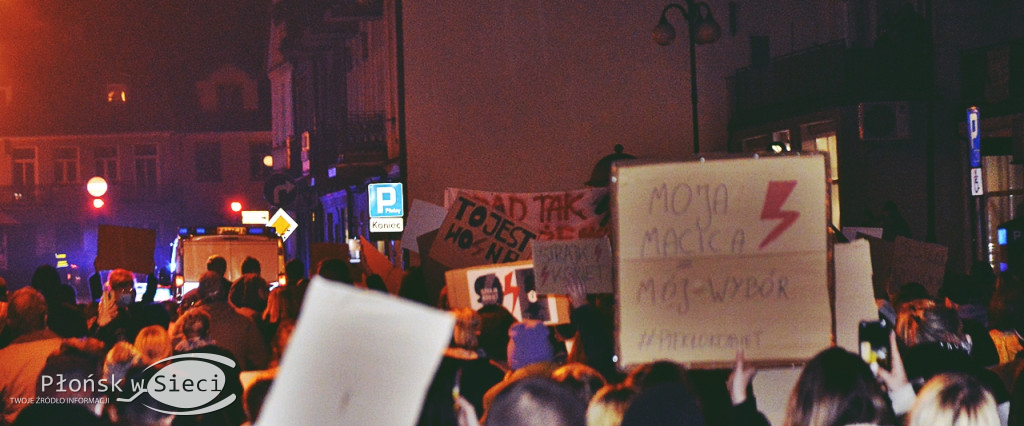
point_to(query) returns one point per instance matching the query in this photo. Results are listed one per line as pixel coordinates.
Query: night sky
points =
(56, 55)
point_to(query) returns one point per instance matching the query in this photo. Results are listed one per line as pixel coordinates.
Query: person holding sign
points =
(119, 318)
(595, 341)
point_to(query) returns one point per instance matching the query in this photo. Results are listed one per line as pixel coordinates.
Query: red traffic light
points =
(97, 203)
(236, 206)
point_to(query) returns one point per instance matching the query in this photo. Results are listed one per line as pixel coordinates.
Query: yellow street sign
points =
(282, 223)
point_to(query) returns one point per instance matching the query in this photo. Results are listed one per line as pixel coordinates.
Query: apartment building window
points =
(208, 164)
(65, 165)
(117, 94)
(257, 152)
(106, 163)
(24, 167)
(229, 98)
(146, 165)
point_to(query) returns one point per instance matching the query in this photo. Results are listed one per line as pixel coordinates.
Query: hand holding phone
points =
(107, 309)
(875, 347)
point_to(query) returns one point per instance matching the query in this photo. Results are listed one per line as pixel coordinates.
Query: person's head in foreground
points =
(837, 388)
(535, 401)
(953, 399)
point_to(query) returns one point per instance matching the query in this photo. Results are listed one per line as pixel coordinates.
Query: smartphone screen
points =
(874, 344)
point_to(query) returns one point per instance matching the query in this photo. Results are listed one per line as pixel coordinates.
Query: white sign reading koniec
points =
(387, 224)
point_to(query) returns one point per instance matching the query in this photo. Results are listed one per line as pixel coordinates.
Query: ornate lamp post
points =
(703, 30)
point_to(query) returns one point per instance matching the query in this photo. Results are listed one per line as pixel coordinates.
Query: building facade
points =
(333, 73)
(174, 119)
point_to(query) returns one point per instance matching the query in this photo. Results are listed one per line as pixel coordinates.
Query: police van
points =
(194, 246)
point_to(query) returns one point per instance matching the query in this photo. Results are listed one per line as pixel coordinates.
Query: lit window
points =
(117, 94)
(827, 143)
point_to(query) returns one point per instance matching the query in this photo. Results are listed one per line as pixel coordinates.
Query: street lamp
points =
(703, 30)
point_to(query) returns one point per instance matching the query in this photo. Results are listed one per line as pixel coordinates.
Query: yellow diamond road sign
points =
(283, 224)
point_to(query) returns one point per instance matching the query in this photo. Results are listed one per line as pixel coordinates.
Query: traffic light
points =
(97, 187)
(236, 206)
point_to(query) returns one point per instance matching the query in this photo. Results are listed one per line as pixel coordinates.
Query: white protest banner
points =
(511, 285)
(566, 215)
(719, 255)
(423, 217)
(587, 260)
(357, 357)
(855, 295)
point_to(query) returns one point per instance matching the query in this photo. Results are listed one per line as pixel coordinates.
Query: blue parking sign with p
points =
(386, 200)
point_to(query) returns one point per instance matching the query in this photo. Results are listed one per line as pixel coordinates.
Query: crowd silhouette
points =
(956, 357)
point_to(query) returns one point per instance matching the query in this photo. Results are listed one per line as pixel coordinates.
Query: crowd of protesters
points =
(956, 358)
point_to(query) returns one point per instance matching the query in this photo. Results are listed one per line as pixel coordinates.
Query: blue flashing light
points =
(1002, 236)
(200, 231)
(1002, 267)
(182, 231)
(256, 231)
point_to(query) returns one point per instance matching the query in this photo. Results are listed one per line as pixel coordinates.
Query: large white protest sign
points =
(357, 357)
(855, 296)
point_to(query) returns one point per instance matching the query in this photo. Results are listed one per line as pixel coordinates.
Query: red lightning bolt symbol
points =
(778, 192)
(511, 289)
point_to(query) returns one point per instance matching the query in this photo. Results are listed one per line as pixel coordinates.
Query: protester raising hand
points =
(901, 392)
(744, 409)
(740, 379)
(577, 291)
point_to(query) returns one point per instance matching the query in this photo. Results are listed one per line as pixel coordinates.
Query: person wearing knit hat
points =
(529, 343)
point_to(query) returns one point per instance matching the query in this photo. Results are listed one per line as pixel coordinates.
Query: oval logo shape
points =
(187, 384)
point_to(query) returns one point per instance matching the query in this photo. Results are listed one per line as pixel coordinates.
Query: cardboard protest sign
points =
(881, 264)
(423, 217)
(373, 365)
(379, 264)
(566, 215)
(476, 234)
(855, 297)
(128, 248)
(854, 232)
(433, 272)
(586, 260)
(512, 285)
(916, 261)
(720, 255)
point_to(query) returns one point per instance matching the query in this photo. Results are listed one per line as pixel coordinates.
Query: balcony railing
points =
(365, 138)
(74, 194)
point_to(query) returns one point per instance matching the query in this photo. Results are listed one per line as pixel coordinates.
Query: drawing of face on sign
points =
(533, 305)
(488, 288)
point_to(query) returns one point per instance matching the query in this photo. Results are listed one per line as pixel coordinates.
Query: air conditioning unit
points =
(883, 121)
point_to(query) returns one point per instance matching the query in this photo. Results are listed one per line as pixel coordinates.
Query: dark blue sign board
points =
(974, 133)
